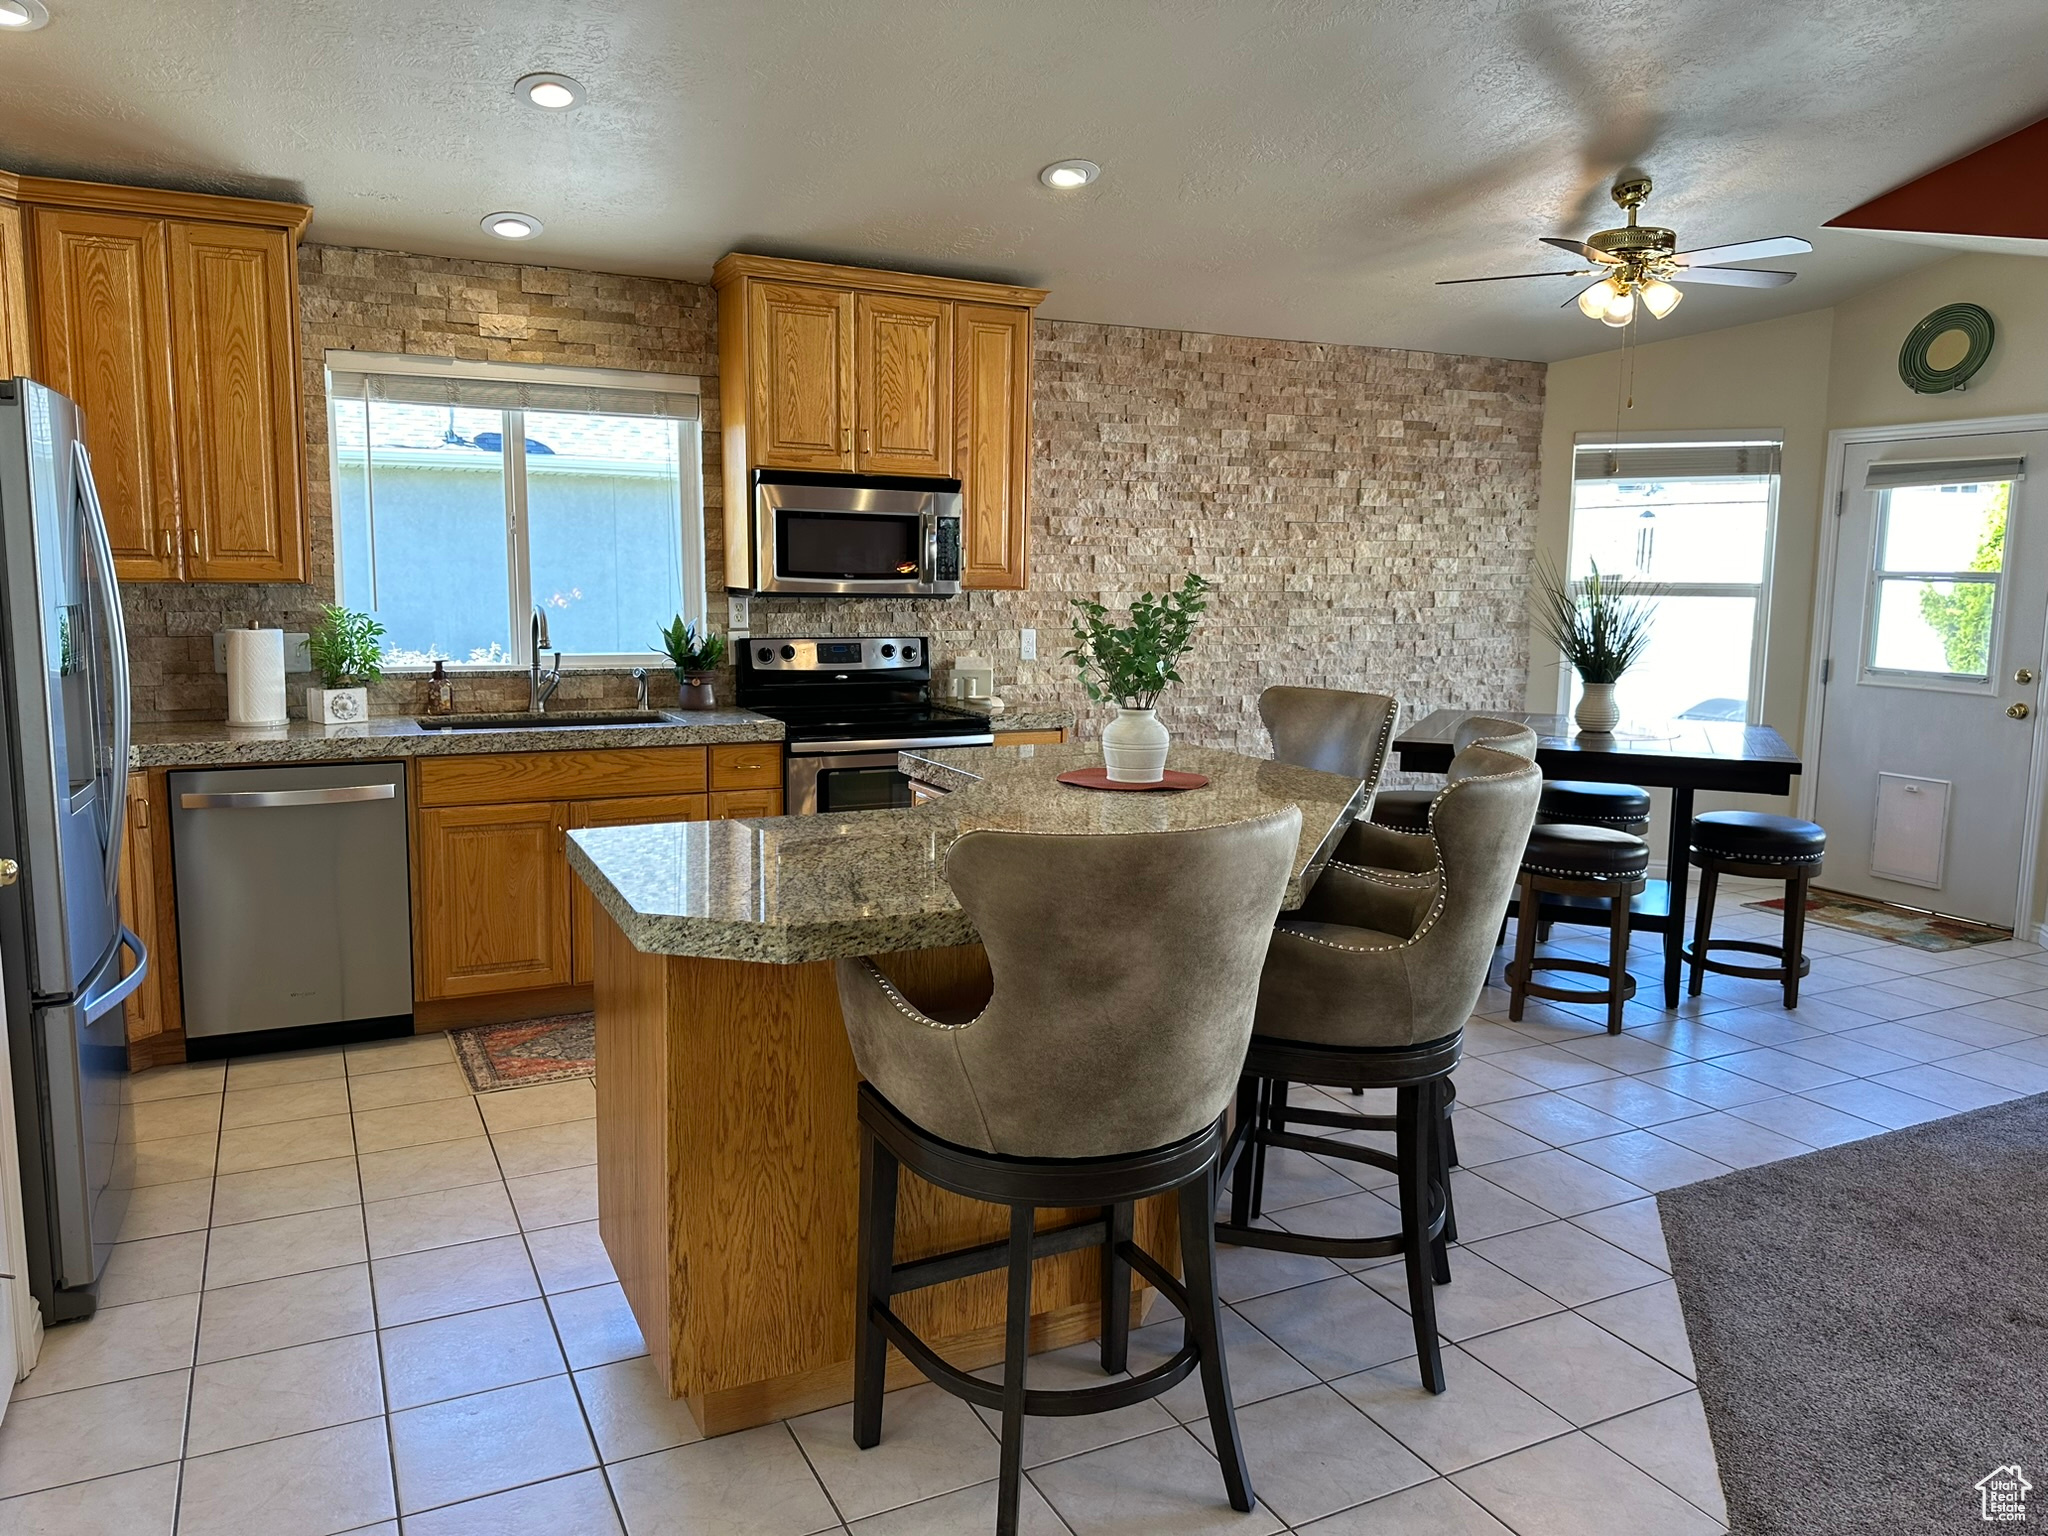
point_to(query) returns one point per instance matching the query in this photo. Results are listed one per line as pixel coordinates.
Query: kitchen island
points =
(727, 1147)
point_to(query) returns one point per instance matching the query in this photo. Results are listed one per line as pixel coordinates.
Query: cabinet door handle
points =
(192, 543)
(867, 441)
(846, 439)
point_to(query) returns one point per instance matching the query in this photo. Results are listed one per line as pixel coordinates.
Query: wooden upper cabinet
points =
(103, 338)
(802, 410)
(992, 442)
(235, 346)
(903, 384)
(14, 320)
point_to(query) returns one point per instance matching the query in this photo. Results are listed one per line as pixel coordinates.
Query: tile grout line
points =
(199, 1311)
(370, 1280)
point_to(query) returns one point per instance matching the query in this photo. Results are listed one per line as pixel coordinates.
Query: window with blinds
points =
(468, 494)
(1698, 518)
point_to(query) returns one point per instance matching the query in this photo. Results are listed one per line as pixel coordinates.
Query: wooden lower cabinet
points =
(492, 911)
(614, 813)
(737, 804)
(141, 860)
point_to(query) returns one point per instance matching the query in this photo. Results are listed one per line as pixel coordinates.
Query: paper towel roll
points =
(256, 677)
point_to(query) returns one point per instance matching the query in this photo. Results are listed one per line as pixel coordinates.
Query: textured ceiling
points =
(1292, 168)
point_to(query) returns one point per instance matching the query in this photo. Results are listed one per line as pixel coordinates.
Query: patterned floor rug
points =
(1901, 925)
(495, 1056)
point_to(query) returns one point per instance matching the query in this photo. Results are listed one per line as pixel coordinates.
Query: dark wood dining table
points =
(1683, 756)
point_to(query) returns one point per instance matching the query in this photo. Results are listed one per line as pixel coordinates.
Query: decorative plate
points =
(1098, 778)
(1915, 357)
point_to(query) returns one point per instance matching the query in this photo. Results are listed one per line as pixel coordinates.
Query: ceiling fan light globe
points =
(1620, 309)
(1594, 301)
(1660, 297)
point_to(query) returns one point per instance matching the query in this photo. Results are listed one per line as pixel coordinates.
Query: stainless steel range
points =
(849, 705)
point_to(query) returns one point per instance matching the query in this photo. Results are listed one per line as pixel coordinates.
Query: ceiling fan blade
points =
(1747, 250)
(1509, 277)
(1576, 247)
(1733, 277)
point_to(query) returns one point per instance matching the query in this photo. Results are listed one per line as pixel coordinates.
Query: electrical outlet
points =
(297, 658)
(736, 615)
(1027, 644)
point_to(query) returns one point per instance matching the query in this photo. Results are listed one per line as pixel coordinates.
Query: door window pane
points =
(604, 499)
(1940, 619)
(420, 525)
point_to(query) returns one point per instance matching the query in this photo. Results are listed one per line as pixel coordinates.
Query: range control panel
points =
(893, 654)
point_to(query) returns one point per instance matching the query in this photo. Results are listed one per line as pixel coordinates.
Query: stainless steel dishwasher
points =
(294, 905)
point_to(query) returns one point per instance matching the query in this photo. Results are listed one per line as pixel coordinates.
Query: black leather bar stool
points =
(1577, 861)
(1369, 985)
(1762, 847)
(1126, 978)
(1584, 803)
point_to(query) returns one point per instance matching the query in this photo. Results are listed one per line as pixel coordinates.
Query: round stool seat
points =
(1754, 837)
(1622, 806)
(1404, 810)
(1586, 853)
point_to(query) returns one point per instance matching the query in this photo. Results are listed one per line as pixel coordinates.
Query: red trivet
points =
(1098, 778)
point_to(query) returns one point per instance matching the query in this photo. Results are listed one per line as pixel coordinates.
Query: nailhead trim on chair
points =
(1622, 823)
(1760, 858)
(903, 1004)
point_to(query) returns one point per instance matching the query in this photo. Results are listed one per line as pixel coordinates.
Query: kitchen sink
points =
(578, 718)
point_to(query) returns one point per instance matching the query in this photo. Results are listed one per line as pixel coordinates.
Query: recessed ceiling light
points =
(1065, 175)
(551, 93)
(23, 15)
(511, 226)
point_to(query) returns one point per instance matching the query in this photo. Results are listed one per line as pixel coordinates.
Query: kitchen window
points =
(1699, 518)
(467, 494)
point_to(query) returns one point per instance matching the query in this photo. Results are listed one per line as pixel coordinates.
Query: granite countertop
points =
(214, 744)
(1015, 717)
(789, 889)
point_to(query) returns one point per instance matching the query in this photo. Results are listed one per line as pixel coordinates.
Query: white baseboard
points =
(2041, 935)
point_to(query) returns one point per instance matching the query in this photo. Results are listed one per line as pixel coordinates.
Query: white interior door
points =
(1934, 658)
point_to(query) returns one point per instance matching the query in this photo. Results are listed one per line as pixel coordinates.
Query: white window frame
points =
(519, 586)
(1867, 669)
(1760, 590)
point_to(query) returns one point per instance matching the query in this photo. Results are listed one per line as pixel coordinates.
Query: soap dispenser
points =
(440, 691)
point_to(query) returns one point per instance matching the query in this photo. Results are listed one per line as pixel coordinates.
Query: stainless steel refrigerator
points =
(64, 732)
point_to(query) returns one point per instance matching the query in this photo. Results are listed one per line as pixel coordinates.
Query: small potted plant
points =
(696, 652)
(348, 655)
(1601, 623)
(1130, 665)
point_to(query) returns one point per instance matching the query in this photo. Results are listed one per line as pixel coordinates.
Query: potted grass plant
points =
(347, 652)
(695, 652)
(1130, 665)
(1602, 623)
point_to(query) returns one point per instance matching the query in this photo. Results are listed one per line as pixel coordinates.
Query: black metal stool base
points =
(889, 1143)
(1421, 1161)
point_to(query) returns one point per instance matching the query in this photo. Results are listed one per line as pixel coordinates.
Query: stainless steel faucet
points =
(640, 689)
(544, 684)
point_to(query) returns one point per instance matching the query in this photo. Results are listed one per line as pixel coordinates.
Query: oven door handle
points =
(885, 744)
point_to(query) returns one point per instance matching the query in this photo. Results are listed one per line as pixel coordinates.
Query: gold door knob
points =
(2024, 676)
(2018, 711)
(9, 871)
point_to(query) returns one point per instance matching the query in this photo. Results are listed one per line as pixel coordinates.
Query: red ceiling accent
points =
(1993, 191)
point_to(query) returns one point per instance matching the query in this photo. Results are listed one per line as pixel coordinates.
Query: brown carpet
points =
(1870, 1324)
(495, 1056)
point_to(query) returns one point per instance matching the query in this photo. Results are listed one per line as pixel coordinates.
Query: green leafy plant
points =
(1600, 622)
(346, 648)
(692, 647)
(1131, 663)
(1961, 614)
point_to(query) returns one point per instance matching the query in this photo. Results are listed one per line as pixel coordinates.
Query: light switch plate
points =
(1027, 644)
(296, 657)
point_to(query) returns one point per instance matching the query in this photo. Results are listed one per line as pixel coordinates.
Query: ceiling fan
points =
(1641, 262)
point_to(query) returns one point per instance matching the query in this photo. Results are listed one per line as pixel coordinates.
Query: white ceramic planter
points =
(1597, 713)
(1134, 747)
(337, 706)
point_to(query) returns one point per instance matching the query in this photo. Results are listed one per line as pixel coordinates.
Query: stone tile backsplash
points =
(1367, 514)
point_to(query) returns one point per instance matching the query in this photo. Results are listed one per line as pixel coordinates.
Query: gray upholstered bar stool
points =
(1369, 985)
(1332, 730)
(1577, 861)
(1763, 847)
(1126, 972)
(1408, 809)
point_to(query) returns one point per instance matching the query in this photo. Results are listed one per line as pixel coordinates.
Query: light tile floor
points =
(352, 1296)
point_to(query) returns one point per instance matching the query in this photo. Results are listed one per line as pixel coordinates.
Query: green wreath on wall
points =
(1916, 358)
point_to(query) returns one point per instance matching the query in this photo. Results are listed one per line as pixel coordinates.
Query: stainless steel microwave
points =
(852, 536)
